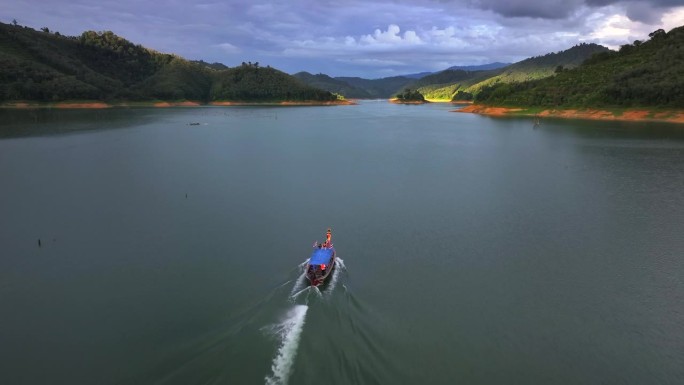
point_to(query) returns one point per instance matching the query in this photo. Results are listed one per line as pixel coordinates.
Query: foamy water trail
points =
(340, 261)
(298, 287)
(295, 295)
(289, 331)
(335, 277)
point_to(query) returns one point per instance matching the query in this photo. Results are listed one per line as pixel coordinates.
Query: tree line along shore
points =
(643, 80)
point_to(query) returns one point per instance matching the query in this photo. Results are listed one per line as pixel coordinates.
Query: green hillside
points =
(409, 96)
(459, 84)
(541, 66)
(333, 85)
(379, 88)
(455, 84)
(215, 66)
(445, 84)
(249, 82)
(641, 74)
(46, 66)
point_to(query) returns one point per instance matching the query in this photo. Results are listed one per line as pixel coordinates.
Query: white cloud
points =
(615, 27)
(392, 36)
(441, 35)
(411, 37)
(228, 48)
(672, 19)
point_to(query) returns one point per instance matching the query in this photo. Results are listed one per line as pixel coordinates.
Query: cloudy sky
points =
(352, 37)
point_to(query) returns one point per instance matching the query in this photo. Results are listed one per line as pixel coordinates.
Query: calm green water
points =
(475, 250)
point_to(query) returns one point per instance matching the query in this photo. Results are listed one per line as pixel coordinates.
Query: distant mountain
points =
(45, 66)
(418, 75)
(380, 88)
(482, 67)
(458, 82)
(642, 74)
(337, 86)
(355, 87)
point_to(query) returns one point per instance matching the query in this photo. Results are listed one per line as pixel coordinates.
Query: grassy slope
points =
(541, 66)
(444, 85)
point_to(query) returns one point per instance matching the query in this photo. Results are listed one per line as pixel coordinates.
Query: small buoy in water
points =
(186, 195)
(39, 244)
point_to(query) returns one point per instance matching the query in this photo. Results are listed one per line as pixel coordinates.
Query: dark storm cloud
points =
(654, 3)
(647, 11)
(549, 9)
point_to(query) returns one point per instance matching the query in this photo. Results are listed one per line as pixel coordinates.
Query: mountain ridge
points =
(49, 67)
(462, 82)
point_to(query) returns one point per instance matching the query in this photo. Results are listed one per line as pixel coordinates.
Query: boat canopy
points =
(321, 256)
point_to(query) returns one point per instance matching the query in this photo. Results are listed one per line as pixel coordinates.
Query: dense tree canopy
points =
(46, 66)
(409, 95)
(646, 73)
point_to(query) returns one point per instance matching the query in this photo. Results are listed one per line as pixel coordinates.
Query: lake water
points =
(473, 250)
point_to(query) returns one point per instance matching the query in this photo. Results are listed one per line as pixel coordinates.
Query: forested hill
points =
(460, 84)
(539, 67)
(647, 73)
(379, 88)
(456, 82)
(47, 66)
(337, 86)
(357, 88)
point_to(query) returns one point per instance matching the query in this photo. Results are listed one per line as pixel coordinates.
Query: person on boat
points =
(328, 237)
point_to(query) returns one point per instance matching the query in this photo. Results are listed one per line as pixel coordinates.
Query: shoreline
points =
(397, 101)
(163, 104)
(618, 114)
